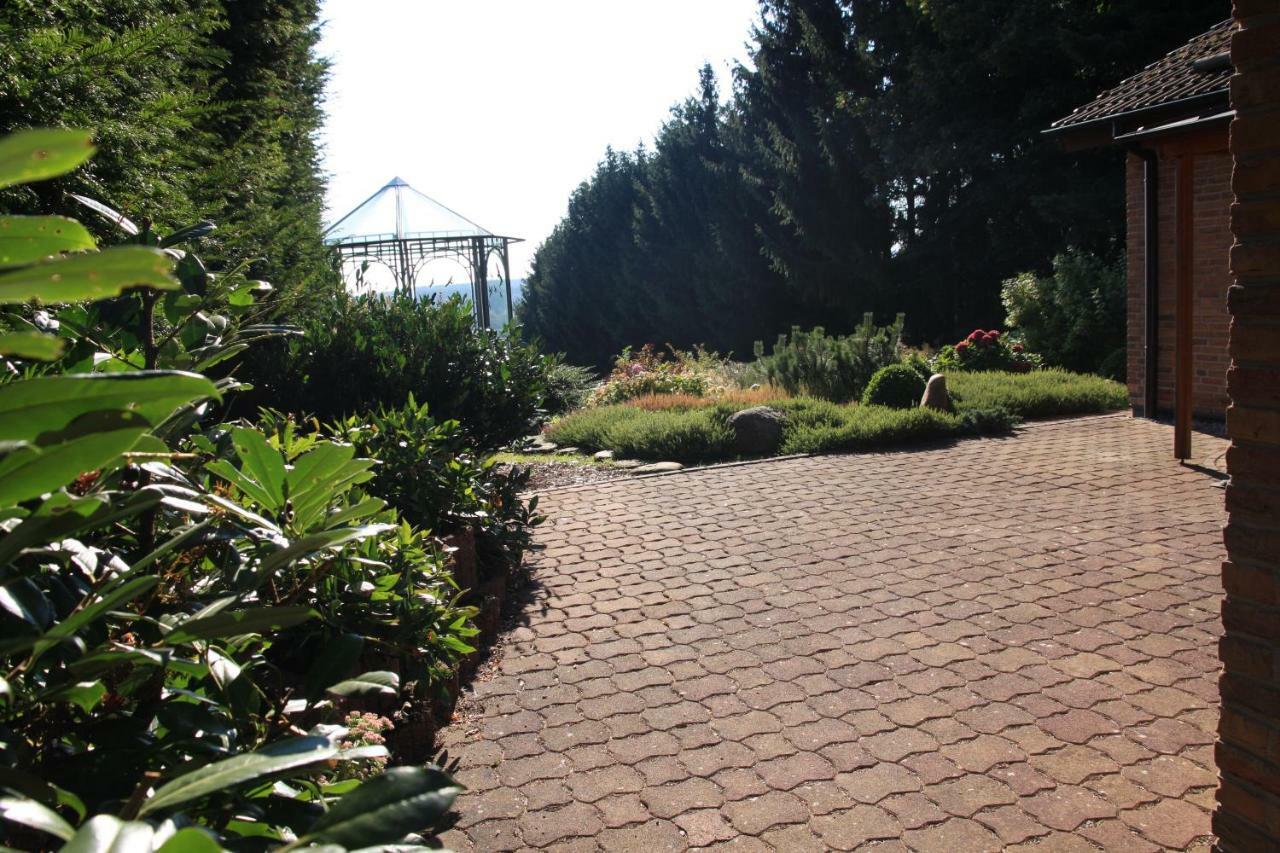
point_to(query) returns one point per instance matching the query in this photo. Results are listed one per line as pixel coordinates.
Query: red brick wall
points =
(1212, 172)
(1248, 750)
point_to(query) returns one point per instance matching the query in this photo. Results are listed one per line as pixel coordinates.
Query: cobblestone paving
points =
(1001, 643)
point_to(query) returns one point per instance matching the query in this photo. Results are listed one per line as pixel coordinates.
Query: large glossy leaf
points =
(229, 624)
(320, 542)
(33, 155)
(97, 275)
(387, 808)
(35, 406)
(23, 599)
(106, 833)
(338, 657)
(379, 683)
(31, 471)
(286, 755)
(108, 213)
(262, 462)
(27, 239)
(190, 840)
(33, 815)
(34, 346)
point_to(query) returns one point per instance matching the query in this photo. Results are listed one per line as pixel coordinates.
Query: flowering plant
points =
(648, 370)
(363, 730)
(987, 350)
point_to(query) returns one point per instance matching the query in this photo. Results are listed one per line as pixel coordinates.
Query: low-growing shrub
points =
(737, 397)
(987, 350)
(867, 427)
(832, 368)
(1041, 393)
(681, 435)
(565, 386)
(648, 370)
(897, 386)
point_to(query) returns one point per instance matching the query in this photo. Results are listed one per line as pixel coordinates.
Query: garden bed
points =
(696, 430)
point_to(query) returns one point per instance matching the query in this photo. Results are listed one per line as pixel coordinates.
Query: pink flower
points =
(962, 347)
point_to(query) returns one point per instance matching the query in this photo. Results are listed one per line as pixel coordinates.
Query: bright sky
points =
(500, 108)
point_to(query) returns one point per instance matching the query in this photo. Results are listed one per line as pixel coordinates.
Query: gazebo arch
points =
(403, 230)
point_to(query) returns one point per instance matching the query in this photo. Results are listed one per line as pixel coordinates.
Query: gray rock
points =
(657, 468)
(603, 455)
(935, 394)
(627, 463)
(566, 450)
(542, 447)
(757, 431)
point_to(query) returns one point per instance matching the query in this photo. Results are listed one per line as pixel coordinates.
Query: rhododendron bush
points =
(987, 350)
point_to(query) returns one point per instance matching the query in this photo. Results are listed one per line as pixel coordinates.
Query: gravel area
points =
(554, 475)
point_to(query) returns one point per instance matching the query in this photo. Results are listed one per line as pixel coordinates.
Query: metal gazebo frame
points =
(405, 252)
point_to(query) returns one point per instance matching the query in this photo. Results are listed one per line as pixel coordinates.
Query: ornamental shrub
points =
(359, 354)
(833, 368)
(987, 350)
(1074, 317)
(898, 386)
(648, 370)
(186, 602)
(565, 386)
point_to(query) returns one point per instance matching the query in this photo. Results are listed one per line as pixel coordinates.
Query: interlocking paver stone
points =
(984, 646)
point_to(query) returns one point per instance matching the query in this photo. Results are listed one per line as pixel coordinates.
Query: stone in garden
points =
(657, 468)
(603, 455)
(627, 463)
(566, 450)
(543, 447)
(935, 394)
(756, 431)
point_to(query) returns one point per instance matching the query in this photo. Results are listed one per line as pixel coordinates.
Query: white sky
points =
(500, 108)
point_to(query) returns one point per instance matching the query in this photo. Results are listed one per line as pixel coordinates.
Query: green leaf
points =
(335, 660)
(34, 406)
(190, 840)
(379, 683)
(34, 346)
(109, 599)
(320, 542)
(262, 462)
(90, 276)
(86, 694)
(34, 155)
(31, 471)
(191, 232)
(27, 239)
(230, 624)
(23, 599)
(111, 215)
(32, 815)
(387, 808)
(220, 775)
(106, 833)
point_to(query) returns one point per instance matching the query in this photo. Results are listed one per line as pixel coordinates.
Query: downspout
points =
(1151, 276)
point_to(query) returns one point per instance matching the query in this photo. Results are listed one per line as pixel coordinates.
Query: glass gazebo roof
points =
(397, 212)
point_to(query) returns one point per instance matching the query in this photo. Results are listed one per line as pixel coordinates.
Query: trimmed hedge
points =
(898, 386)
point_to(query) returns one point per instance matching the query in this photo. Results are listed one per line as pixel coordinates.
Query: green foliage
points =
(1038, 394)
(870, 155)
(565, 386)
(362, 354)
(897, 386)
(867, 427)
(431, 475)
(180, 597)
(833, 368)
(1075, 317)
(681, 435)
(649, 371)
(207, 109)
(987, 350)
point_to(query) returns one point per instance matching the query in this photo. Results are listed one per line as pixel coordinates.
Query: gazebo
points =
(403, 231)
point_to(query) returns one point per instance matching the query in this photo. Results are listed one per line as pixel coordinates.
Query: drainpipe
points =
(1151, 276)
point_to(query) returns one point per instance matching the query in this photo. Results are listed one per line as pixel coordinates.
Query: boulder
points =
(935, 394)
(626, 464)
(603, 455)
(657, 468)
(757, 431)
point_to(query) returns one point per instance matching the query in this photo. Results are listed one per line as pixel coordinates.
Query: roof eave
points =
(1104, 130)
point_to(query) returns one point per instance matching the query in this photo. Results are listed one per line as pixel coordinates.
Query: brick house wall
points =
(1212, 245)
(1248, 749)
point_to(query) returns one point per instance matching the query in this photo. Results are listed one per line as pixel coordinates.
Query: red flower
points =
(974, 336)
(994, 333)
(1017, 347)
(962, 347)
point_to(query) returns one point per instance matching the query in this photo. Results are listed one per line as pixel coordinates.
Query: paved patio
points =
(1000, 643)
